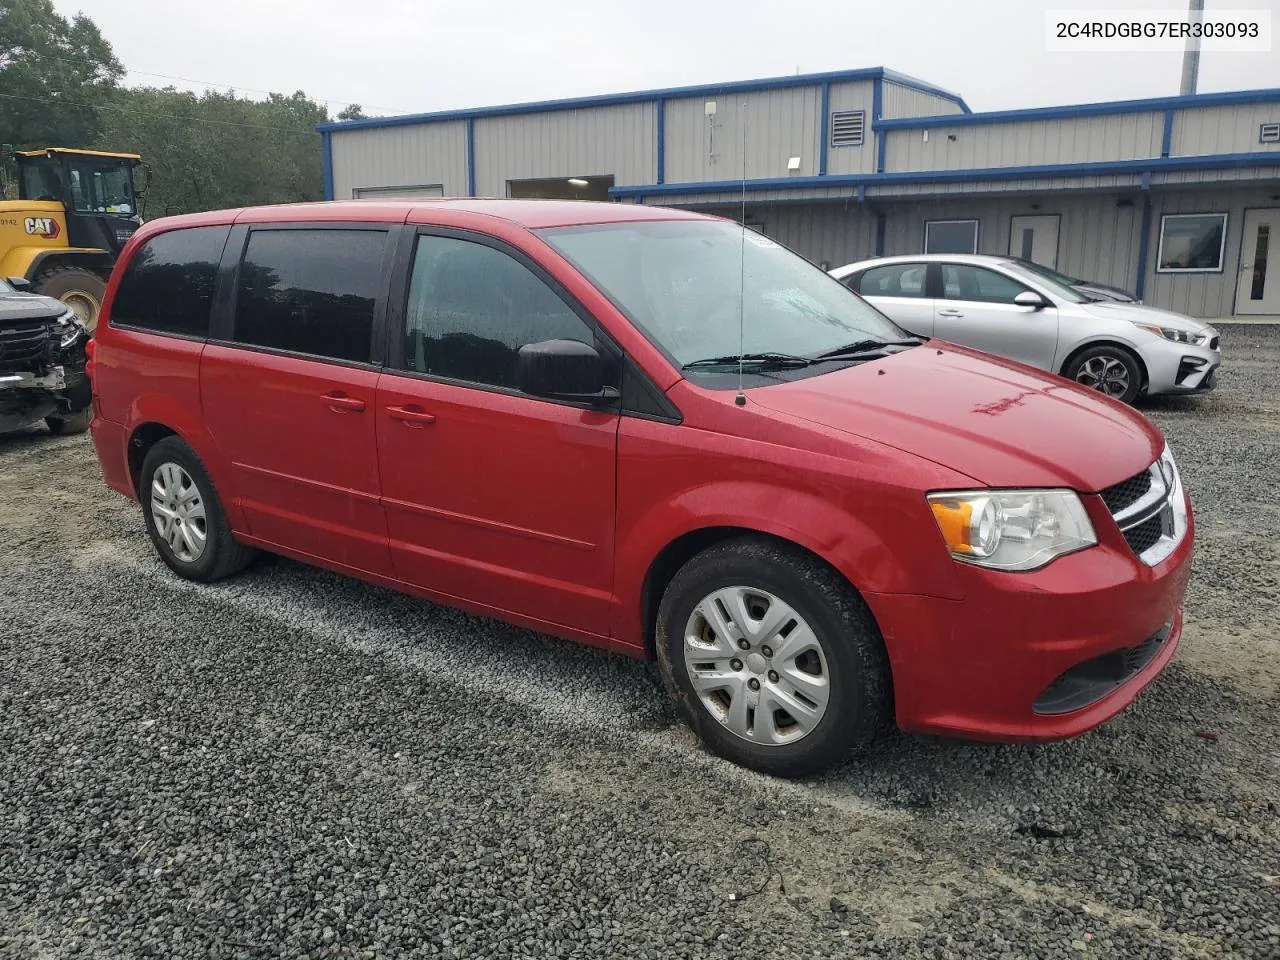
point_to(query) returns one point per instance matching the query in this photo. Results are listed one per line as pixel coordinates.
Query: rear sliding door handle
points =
(411, 415)
(339, 402)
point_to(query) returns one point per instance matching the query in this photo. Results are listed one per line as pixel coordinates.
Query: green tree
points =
(54, 75)
(352, 111)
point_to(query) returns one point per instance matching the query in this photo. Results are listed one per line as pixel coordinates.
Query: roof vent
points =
(847, 128)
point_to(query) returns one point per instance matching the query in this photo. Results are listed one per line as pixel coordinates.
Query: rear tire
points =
(1108, 369)
(82, 290)
(799, 713)
(184, 515)
(72, 423)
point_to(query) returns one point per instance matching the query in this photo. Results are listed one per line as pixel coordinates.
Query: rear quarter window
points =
(168, 285)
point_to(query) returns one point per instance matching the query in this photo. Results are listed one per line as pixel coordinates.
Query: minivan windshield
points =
(686, 283)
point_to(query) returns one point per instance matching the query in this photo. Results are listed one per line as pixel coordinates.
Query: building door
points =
(1259, 286)
(1035, 239)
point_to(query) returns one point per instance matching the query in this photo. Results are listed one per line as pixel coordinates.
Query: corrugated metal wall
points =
(401, 156)
(1028, 143)
(618, 140)
(1207, 130)
(1203, 294)
(900, 101)
(853, 96)
(830, 233)
(779, 124)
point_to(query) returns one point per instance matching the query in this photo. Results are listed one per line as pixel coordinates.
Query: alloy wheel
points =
(1105, 374)
(756, 665)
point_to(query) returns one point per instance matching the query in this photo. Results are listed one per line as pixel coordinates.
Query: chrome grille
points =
(1150, 510)
(1126, 492)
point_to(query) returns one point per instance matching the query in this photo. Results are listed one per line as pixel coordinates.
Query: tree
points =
(352, 111)
(54, 75)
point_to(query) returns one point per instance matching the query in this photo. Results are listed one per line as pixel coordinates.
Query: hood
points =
(29, 306)
(1001, 423)
(1139, 313)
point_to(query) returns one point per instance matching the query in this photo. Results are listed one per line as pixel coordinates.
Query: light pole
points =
(1191, 58)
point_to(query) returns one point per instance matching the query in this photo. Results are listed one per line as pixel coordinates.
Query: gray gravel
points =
(292, 764)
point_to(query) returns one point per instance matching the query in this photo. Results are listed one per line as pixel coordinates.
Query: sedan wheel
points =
(1108, 370)
(756, 665)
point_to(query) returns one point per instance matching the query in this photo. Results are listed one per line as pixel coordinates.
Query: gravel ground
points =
(292, 764)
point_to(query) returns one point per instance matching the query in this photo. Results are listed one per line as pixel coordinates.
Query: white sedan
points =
(997, 305)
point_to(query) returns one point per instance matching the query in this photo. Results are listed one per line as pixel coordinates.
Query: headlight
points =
(69, 328)
(1012, 529)
(1177, 336)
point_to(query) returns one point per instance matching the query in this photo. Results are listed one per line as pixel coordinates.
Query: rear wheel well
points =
(683, 549)
(143, 439)
(1128, 351)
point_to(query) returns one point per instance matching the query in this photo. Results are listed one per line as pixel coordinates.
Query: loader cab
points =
(96, 189)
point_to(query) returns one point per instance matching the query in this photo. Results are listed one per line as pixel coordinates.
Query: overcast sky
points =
(408, 56)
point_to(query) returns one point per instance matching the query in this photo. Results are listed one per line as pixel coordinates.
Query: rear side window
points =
(310, 291)
(893, 280)
(168, 286)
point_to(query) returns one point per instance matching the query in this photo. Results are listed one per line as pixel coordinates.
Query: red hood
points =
(1001, 423)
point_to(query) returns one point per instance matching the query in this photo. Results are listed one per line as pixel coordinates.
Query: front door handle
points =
(339, 402)
(950, 313)
(411, 415)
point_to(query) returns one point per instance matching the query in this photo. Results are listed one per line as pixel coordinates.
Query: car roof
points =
(530, 214)
(978, 259)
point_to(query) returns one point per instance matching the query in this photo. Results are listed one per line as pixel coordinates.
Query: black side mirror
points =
(1029, 298)
(563, 370)
(20, 283)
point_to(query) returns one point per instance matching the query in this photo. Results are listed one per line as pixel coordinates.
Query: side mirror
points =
(1029, 298)
(563, 370)
(19, 283)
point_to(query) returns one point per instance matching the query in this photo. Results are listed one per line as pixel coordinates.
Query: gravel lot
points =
(292, 764)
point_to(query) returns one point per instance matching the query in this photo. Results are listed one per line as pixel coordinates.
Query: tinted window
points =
(170, 282)
(1191, 241)
(951, 236)
(963, 282)
(471, 308)
(310, 291)
(895, 280)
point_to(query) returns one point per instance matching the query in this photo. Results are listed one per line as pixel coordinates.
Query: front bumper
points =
(1181, 367)
(992, 665)
(27, 396)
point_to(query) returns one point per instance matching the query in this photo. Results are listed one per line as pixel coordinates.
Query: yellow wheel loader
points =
(74, 211)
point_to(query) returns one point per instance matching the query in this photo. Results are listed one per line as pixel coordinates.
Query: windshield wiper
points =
(866, 347)
(777, 361)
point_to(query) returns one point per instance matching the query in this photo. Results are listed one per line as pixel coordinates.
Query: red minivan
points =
(655, 432)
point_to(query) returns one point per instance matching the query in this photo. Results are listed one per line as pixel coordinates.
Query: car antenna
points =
(741, 398)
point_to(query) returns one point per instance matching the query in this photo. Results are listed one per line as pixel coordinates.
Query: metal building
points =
(1176, 199)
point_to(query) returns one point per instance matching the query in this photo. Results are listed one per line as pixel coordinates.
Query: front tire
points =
(184, 515)
(71, 423)
(82, 290)
(1110, 370)
(772, 656)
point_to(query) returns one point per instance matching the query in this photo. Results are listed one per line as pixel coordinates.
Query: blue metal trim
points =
(614, 99)
(823, 140)
(1144, 246)
(662, 140)
(1167, 143)
(903, 80)
(1224, 161)
(326, 163)
(861, 192)
(880, 224)
(877, 108)
(471, 157)
(1154, 105)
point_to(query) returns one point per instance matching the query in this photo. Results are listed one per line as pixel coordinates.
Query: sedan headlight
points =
(69, 328)
(1177, 336)
(1012, 529)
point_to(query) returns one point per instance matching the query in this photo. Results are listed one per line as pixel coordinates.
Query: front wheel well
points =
(1127, 350)
(143, 438)
(683, 549)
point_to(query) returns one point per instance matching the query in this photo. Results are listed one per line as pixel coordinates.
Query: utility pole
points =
(1191, 57)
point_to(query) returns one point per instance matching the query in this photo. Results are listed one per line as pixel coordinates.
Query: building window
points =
(1269, 133)
(1192, 243)
(951, 236)
(847, 128)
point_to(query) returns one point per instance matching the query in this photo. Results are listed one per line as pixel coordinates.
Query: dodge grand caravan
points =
(646, 430)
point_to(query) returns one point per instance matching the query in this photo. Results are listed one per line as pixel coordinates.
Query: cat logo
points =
(45, 227)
